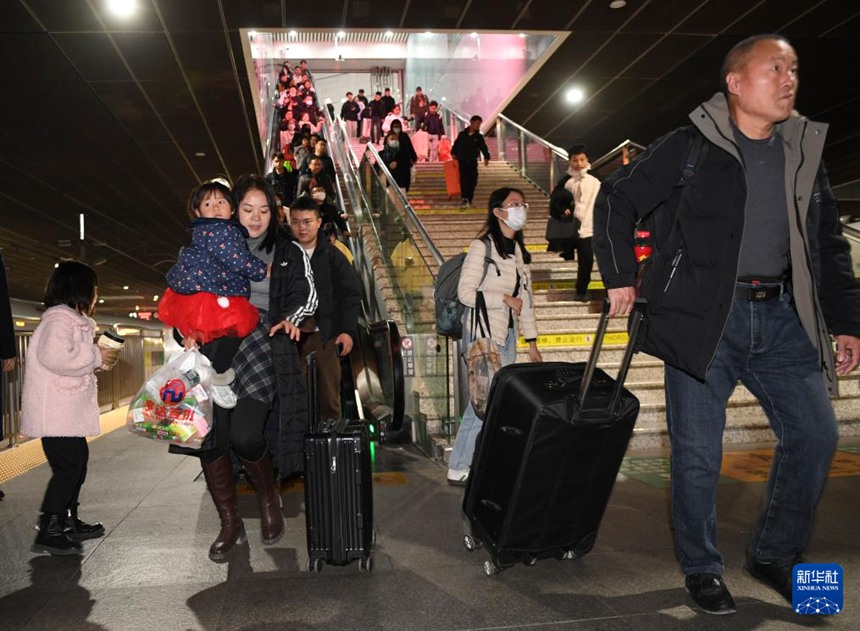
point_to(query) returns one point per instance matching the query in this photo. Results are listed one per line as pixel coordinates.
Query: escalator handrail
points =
(410, 212)
(397, 374)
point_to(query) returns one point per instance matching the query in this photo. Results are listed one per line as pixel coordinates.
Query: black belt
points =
(758, 293)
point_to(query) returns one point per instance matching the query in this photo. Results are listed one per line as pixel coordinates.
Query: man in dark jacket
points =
(377, 115)
(349, 113)
(467, 148)
(749, 278)
(331, 331)
(283, 179)
(388, 102)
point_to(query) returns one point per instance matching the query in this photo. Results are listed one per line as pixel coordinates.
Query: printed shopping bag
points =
(174, 405)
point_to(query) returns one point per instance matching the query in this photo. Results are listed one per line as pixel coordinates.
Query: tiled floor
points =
(151, 572)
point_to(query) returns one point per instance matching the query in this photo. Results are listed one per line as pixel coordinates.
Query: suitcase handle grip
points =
(636, 318)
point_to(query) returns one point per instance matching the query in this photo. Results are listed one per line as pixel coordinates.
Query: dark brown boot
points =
(268, 499)
(219, 479)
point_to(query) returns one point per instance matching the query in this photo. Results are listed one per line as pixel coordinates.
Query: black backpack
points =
(449, 309)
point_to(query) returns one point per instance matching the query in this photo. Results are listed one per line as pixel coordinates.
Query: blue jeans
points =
(765, 348)
(470, 426)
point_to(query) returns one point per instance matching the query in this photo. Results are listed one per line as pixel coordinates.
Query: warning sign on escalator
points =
(407, 351)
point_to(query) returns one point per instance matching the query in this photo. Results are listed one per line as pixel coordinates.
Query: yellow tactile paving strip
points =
(29, 455)
(754, 466)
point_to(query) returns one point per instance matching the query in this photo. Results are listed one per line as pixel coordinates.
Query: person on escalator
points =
(467, 150)
(330, 332)
(396, 157)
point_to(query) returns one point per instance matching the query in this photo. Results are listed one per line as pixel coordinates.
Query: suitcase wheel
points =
(471, 544)
(365, 564)
(315, 565)
(491, 568)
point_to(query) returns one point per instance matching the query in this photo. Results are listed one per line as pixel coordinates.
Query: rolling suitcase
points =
(548, 455)
(452, 178)
(338, 488)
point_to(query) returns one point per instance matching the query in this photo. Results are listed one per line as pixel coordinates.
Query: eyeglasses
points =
(307, 223)
(524, 205)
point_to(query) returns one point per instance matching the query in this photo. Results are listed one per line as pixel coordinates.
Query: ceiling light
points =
(200, 154)
(574, 95)
(341, 34)
(618, 4)
(125, 287)
(522, 35)
(137, 307)
(389, 33)
(122, 8)
(293, 34)
(155, 298)
(101, 301)
(252, 33)
(473, 34)
(428, 33)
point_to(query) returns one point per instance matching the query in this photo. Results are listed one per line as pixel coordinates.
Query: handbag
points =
(482, 358)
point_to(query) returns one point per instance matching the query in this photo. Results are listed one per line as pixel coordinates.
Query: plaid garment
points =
(255, 373)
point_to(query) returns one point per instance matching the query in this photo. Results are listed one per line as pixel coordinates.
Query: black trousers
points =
(468, 178)
(584, 263)
(241, 428)
(68, 457)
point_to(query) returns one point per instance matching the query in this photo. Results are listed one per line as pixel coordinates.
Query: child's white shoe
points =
(223, 396)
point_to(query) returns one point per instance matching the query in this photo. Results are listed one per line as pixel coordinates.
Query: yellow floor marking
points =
(543, 285)
(551, 340)
(29, 455)
(754, 466)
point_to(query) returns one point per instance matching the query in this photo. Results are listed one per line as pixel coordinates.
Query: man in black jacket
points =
(377, 115)
(331, 331)
(283, 179)
(749, 278)
(468, 147)
(349, 113)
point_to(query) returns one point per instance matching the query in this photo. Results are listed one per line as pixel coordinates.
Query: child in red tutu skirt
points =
(209, 286)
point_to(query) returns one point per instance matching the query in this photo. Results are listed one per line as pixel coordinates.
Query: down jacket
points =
(59, 397)
(688, 307)
(501, 279)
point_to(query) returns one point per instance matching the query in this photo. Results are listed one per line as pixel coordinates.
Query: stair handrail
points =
(376, 308)
(612, 153)
(561, 153)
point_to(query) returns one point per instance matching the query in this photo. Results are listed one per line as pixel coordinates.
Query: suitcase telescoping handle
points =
(311, 360)
(635, 321)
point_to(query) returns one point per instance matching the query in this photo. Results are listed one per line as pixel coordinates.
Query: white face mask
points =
(516, 218)
(319, 196)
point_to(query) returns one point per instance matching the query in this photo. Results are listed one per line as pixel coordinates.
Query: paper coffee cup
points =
(111, 341)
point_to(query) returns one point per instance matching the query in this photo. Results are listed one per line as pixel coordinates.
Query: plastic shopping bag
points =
(174, 405)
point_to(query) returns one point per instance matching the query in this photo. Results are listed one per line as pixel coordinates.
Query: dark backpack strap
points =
(697, 151)
(488, 260)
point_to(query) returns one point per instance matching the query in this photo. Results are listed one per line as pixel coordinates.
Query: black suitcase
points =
(338, 488)
(547, 457)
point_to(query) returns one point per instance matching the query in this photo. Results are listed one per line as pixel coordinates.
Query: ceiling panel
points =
(94, 56)
(190, 16)
(549, 14)
(66, 16)
(149, 56)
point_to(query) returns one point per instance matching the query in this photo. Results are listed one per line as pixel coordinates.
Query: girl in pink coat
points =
(59, 401)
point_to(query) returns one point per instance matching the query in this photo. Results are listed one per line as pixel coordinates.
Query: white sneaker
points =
(223, 396)
(222, 378)
(458, 477)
